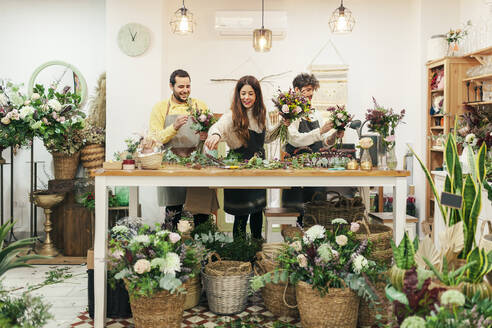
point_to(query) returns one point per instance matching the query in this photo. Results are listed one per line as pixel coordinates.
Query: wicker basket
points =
(483, 288)
(379, 235)
(92, 156)
(322, 212)
(277, 296)
(65, 165)
(193, 293)
(162, 309)
(113, 165)
(271, 250)
(227, 285)
(338, 308)
(289, 232)
(384, 257)
(151, 162)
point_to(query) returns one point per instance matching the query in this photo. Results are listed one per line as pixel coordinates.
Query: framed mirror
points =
(60, 74)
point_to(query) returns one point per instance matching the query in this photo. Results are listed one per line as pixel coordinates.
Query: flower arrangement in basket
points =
(15, 109)
(328, 268)
(57, 119)
(149, 152)
(154, 264)
(291, 106)
(384, 121)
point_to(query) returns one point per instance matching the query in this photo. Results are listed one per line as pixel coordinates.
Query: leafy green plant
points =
(449, 278)
(469, 186)
(24, 311)
(404, 254)
(10, 255)
(413, 300)
(481, 265)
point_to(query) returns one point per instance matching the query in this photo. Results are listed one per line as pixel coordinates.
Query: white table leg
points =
(133, 202)
(399, 208)
(100, 247)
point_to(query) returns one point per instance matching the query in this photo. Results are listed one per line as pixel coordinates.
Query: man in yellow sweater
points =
(171, 125)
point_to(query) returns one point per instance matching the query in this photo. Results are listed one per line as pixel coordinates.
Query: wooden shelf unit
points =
(454, 93)
(479, 78)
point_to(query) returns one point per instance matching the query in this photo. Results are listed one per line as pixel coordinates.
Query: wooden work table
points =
(175, 176)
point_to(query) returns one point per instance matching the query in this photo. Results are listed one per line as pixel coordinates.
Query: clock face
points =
(133, 39)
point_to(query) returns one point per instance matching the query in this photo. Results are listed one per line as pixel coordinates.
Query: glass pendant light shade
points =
(262, 40)
(182, 22)
(342, 20)
(262, 37)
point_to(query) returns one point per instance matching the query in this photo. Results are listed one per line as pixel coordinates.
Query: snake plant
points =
(449, 278)
(469, 186)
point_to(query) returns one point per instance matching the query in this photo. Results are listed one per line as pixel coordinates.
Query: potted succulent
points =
(155, 264)
(128, 155)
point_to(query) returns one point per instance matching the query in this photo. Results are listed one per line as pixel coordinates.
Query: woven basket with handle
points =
(151, 162)
(65, 165)
(324, 211)
(227, 285)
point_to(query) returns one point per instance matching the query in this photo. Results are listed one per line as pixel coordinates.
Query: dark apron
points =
(297, 196)
(247, 201)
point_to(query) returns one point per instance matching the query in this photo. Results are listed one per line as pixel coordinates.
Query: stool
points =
(387, 219)
(278, 215)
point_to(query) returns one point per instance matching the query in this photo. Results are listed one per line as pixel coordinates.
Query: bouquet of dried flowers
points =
(15, 109)
(384, 121)
(291, 106)
(93, 135)
(340, 117)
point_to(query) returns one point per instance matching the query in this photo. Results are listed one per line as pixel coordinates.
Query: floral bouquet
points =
(14, 108)
(326, 259)
(57, 119)
(291, 106)
(384, 121)
(202, 119)
(454, 36)
(340, 117)
(151, 260)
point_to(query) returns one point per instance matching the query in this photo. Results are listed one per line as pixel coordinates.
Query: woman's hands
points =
(212, 141)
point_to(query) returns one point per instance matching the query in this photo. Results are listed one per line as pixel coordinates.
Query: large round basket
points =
(379, 235)
(151, 162)
(92, 156)
(226, 284)
(270, 251)
(338, 308)
(65, 165)
(322, 212)
(289, 232)
(483, 288)
(193, 292)
(279, 299)
(162, 309)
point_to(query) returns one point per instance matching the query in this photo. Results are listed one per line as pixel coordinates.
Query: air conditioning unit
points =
(240, 24)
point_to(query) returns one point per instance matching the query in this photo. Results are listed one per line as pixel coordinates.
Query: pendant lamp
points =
(182, 22)
(341, 20)
(262, 37)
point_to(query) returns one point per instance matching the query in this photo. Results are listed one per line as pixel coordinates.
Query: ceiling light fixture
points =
(182, 22)
(341, 20)
(262, 37)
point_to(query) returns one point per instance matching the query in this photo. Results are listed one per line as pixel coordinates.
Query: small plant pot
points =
(129, 164)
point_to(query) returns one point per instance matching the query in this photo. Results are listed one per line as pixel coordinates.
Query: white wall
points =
(34, 32)
(476, 10)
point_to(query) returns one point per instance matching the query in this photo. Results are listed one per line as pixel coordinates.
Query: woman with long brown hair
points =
(245, 129)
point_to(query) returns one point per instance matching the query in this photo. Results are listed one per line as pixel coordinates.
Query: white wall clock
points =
(133, 39)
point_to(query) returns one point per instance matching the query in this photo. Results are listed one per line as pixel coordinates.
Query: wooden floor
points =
(61, 260)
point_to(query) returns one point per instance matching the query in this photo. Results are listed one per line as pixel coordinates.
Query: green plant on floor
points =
(481, 265)
(469, 186)
(449, 277)
(23, 311)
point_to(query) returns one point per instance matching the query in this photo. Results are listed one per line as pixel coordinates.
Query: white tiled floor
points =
(68, 299)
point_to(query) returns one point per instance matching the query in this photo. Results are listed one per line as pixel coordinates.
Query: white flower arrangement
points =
(325, 252)
(453, 297)
(141, 266)
(141, 239)
(359, 263)
(341, 240)
(120, 230)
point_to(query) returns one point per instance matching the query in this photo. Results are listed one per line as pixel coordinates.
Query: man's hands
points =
(326, 127)
(180, 121)
(203, 135)
(212, 141)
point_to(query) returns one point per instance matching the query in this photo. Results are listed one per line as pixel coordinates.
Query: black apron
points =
(247, 201)
(297, 196)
